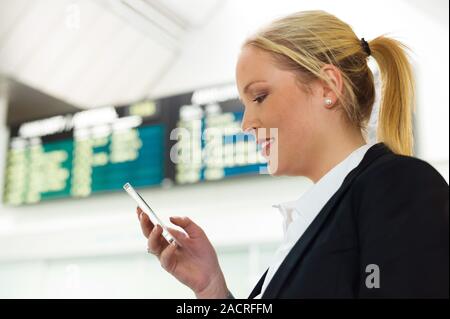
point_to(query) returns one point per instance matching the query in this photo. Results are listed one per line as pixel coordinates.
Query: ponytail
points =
(397, 94)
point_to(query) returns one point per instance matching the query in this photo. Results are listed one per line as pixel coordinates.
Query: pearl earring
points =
(328, 102)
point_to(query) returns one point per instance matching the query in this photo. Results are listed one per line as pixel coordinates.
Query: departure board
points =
(215, 144)
(181, 139)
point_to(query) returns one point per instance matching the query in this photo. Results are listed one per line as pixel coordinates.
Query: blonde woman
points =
(375, 222)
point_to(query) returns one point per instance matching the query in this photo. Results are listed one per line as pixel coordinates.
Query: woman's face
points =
(274, 98)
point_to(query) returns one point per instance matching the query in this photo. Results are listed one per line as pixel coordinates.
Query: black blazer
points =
(391, 211)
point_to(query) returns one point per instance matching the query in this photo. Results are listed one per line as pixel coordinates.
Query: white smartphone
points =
(150, 213)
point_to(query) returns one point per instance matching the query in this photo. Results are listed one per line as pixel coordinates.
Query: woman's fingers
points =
(156, 243)
(191, 228)
(138, 212)
(146, 224)
(179, 236)
(167, 258)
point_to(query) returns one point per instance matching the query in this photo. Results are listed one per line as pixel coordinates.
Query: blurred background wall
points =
(97, 53)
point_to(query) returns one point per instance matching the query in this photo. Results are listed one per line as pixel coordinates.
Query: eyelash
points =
(259, 99)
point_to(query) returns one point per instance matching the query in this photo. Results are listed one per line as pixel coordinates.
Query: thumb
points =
(191, 228)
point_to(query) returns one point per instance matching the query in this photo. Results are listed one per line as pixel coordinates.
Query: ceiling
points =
(92, 53)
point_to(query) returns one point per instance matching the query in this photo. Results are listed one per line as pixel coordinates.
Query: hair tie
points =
(365, 46)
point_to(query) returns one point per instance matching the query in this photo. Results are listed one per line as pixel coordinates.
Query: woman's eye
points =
(260, 98)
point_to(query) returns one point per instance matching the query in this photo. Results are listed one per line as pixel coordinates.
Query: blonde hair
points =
(305, 41)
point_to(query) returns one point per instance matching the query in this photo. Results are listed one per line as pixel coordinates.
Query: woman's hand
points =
(195, 263)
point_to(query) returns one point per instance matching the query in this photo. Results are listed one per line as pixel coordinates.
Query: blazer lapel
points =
(299, 249)
(257, 290)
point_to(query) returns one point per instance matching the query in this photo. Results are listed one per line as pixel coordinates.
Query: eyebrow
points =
(251, 83)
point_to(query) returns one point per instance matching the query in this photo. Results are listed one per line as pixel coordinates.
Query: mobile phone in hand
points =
(150, 213)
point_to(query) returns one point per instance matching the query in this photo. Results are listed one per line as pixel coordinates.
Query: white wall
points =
(92, 247)
(3, 130)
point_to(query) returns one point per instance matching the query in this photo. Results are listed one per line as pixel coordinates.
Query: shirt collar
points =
(315, 198)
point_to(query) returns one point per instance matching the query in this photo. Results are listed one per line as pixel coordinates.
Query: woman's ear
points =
(332, 87)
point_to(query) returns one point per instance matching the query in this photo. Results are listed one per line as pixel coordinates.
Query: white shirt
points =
(299, 214)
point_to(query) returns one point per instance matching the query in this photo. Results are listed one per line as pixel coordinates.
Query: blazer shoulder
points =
(400, 170)
(400, 212)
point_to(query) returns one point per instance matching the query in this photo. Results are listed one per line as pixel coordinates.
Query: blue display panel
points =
(78, 168)
(215, 145)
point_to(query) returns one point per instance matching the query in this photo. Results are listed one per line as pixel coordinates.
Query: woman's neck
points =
(334, 151)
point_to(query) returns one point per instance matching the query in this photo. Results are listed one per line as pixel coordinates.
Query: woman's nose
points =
(249, 124)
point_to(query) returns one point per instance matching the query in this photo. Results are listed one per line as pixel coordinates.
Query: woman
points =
(375, 222)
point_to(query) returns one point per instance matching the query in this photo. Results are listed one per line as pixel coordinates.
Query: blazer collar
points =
(299, 249)
(256, 291)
